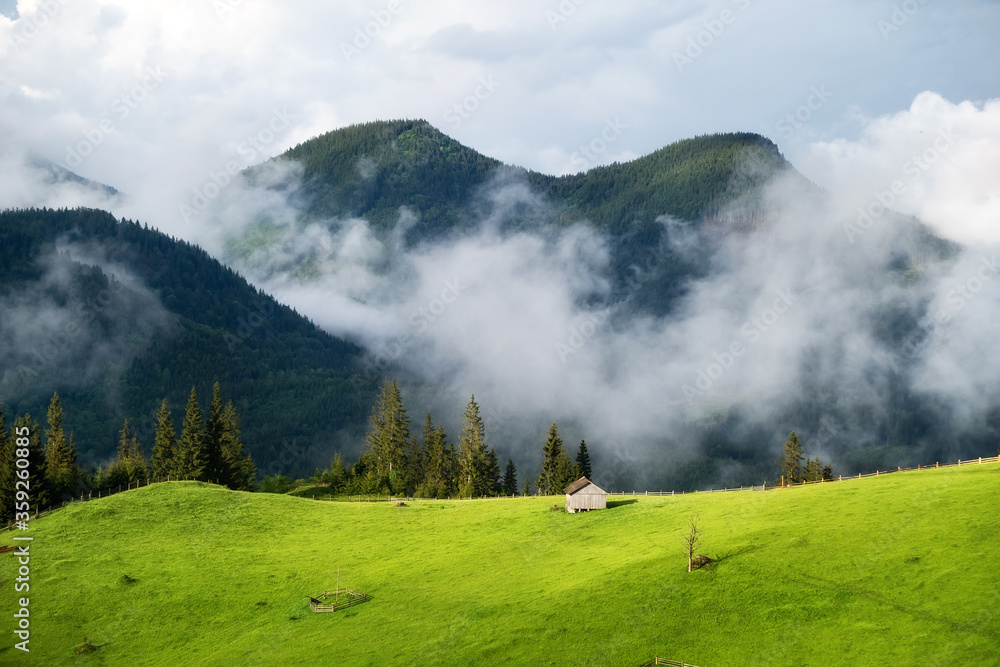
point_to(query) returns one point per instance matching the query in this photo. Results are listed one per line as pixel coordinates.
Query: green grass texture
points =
(901, 569)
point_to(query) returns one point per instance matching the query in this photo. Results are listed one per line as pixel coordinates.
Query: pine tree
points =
(238, 471)
(473, 459)
(435, 482)
(827, 473)
(451, 468)
(131, 465)
(510, 478)
(338, 474)
(390, 430)
(552, 454)
(27, 435)
(7, 475)
(814, 471)
(414, 462)
(791, 460)
(190, 455)
(163, 443)
(214, 433)
(61, 469)
(567, 473)
(583, 461)
(526, 491)
(491, 476)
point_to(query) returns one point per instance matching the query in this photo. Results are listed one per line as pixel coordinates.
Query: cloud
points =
(943, 157)
(72, 327)
(76, 59)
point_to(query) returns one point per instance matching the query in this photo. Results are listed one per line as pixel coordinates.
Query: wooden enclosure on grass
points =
(342, 598)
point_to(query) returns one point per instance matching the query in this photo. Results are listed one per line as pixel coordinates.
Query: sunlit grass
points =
(900, 569)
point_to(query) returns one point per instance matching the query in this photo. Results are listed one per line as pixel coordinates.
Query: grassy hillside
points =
(897, 570)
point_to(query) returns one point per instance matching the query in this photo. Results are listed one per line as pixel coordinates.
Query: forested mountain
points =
(116, 316)
(373, 169)
(370, 170)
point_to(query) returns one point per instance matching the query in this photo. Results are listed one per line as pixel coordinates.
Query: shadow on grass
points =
(735, 553)
(619, 503)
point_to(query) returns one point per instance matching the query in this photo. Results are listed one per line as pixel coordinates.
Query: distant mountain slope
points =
(370, 170)
(116, 317)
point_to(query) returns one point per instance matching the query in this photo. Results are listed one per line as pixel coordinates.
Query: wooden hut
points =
(583, 496)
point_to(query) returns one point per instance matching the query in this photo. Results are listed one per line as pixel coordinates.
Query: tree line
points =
(209, 449)
(397, 460)
(793, 471)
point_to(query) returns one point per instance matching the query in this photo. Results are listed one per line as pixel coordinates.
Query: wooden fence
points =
(378, 498)
(342, 599)
(92, 495)
(840, 478)
(664, 661)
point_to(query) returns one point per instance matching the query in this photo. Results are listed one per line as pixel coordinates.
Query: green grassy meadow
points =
(902, 569)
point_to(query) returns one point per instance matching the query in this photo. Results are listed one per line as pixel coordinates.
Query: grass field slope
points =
(901, 569)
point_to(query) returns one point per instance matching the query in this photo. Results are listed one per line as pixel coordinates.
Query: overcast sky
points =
(152, 96)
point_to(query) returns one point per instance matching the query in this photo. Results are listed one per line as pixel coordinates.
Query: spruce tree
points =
(451, 468)
(190, 453)
(414, 462)
(238, 471)
(491, 474)
(814, 471)
(131, 465)
(583, 460)
(552, 455)
(61, 469)
(473, 459)
(163, 443)
(791, 460)
(510, 478)
(338, 474)
(213, 471)
(27, 435)
(435, 461)
(7, 475)
(567, 473)
(526, 491)
(389, 430)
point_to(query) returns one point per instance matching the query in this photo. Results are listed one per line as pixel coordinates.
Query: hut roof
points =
(579, 484)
